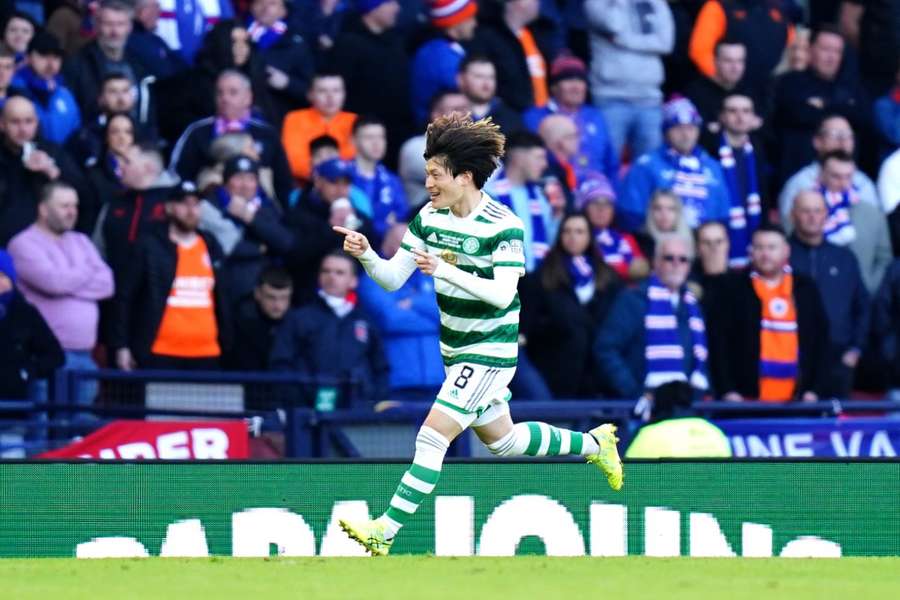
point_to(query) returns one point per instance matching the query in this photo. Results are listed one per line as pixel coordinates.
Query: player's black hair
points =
(462, 145)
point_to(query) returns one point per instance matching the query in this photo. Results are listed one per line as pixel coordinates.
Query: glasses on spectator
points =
(834, 134)
(713, 242)
(675, 258)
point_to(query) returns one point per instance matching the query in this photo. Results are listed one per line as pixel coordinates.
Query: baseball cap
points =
(182, 190)
(333, 169)
(240, 164)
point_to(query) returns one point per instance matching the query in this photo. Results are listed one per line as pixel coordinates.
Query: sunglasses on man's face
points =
(672, 258)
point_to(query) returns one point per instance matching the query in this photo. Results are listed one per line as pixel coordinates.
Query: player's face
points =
(575, 235)
(444, 189)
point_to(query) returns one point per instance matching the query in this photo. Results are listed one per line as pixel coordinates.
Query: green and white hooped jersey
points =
(473, 331)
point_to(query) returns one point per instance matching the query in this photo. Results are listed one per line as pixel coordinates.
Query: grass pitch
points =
(426, 578)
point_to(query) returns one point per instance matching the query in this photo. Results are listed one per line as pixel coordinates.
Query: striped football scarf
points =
(540, 244)
(839, 228)
(616, 251)
(779, 346)
(689, 183)
(663, 350)
(266, 37)
(745, 212)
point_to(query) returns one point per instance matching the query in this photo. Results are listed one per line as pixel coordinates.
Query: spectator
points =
(560, 136)
(184, 23)
(7, 69)
(628, 41)
(744, 167)
(564, 302)
(411, 167)
(117, 96)
(889, 189)
(105, 171)
(139, 209)
(170, 311)
(768, 329)
(410, 323)
(149, 48)
(324, 203)
(803, 98)
(654, 336)
(325, 116)
(681, 166)
(477, 79)
(517, 186)
(257, 318)
(436, 62)
(63, 276)
(887, 116)
(29, 351)
(287, 58)
(107, 53)
(833, 134)
(27, 163)
(18, 30)
(387, 204)
(879, 45)
(371, 57)
(761, 26)
(319, 22)
(519, 57)
(852, 223)
(246, 224)
(664, 215)
(885, 324)
(223, 149)
(708, 92)
(70, 21)
(39, 80)
(597, 199)
(712, 250)
(331, 340)
(234, 99)
(836, 273)
(568, 90)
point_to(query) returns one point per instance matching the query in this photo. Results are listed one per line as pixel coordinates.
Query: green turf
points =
(425, 578)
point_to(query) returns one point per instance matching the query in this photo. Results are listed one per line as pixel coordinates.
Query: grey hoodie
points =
(628, 37)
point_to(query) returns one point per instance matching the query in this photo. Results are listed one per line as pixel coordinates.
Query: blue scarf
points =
(745, 213)
(224, 199)
(582, 273)
(540, 244)
(663, 351)
(616, 250)
(266, 37)
(9, 269)
(689, 183)
(839, 228)
(38, 88)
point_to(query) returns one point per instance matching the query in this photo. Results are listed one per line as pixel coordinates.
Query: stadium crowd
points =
(709, 189)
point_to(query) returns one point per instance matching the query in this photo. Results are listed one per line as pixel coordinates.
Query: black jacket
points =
(191, 153)
(19, 188)
(84, 74)
(561, 332)
(129, 214)
(886, 321)
(255, 335)
(29, 350)
(291, 55)
(315, 342)
(733, 326)
(144, 291)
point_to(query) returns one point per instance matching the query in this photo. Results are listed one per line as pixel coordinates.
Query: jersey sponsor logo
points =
(470, 245)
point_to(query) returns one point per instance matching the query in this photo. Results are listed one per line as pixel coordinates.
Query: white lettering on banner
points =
(454, 526)
(801, 444)
(794, 444)
(881, 445)
(136, 450)
(254, 529)
(199, 442)
(515, 518)
(173, 445)
(210, 443)
(840, 449)
(336, 542)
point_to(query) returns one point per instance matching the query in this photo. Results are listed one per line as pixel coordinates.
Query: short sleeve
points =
(509, 249)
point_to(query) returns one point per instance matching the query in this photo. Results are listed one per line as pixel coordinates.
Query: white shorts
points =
(475, 394)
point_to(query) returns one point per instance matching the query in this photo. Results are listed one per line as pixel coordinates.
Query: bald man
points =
(27, 163)
(560, 135)
(836, 273)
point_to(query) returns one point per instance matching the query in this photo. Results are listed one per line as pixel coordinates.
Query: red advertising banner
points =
(185, 440)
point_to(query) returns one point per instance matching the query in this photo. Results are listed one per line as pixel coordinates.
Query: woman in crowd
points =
(105, 174)
(563, 302)
(17, 32)
(666, 215)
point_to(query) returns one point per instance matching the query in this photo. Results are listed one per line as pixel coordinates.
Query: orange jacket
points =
(303, 126)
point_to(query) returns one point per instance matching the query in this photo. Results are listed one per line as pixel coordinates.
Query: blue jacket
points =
(160, 60)
(654, 171)
(433, 69)
(411, 333)
(597, 152)
(386, 197)
(57, 111)
(621, 342)
(887, 119)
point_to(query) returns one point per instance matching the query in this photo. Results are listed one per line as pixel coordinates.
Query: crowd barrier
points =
(667, 508)
(285, 405)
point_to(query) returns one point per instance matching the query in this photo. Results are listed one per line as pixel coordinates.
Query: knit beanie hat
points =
(447, 13)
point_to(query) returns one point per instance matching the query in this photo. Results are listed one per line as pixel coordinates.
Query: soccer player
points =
(473, 247)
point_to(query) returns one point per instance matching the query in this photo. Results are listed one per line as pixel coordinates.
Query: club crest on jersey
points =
(470, 245)
(448, 257)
